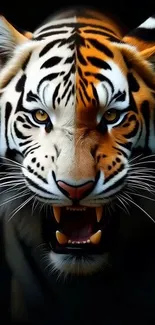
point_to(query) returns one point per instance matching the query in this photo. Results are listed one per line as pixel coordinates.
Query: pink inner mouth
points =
(78, 225)
(78, 229)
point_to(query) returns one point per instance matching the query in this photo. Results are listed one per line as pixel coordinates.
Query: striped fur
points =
(77, 68)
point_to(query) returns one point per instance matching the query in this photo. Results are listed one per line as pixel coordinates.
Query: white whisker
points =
(128, 198)
(13, 187)
(13, 162)
(136, 157)
(20, 207)
(121, 201)
(16, 196)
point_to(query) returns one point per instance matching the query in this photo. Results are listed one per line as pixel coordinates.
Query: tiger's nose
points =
(75, 192)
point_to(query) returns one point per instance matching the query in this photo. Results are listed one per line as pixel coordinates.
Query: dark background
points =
(29, 14)
(128, 297)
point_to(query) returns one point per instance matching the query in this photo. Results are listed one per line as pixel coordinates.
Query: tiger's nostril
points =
(75, 193)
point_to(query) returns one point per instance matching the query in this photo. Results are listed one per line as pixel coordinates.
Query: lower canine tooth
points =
(99, 212)
(95, 239)
(61, 238)
(57, 213)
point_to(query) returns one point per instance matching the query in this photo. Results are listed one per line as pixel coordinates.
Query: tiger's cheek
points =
(109, 160)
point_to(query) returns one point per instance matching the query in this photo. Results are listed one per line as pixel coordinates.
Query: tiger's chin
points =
(79, 239)
(78, 265)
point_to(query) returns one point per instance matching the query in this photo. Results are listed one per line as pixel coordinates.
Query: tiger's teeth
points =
(61, 238)
(95, 239)
(57, 213)
(99, 212)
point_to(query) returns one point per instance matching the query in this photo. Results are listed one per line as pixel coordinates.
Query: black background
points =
(29, 14)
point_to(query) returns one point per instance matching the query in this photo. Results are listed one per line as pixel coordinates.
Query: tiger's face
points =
(74, 114)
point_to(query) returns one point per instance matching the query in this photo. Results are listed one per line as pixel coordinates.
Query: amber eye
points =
(40, 116)
(111, 115)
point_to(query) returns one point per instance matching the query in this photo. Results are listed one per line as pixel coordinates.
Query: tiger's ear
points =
(142, 39)
(10, 38)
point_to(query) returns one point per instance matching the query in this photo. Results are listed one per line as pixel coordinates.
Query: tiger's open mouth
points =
(79, 229)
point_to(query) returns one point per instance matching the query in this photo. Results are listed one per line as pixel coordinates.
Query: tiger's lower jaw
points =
(79, 239)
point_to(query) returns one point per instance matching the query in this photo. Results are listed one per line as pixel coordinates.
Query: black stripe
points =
(19, 134)
(20, 119)
(26, 126)
(69, 60)
(101, 47)
(19, 106)
(21, 144)
(69, 40)
(32, 183)
(29, 121)
(76, 25)
(111, 176)
(21, 83)
(133, 132)
(8, 111)
(115, 185)
(101, 32)
(100, 77)
(119, 96)
(49, 46)
(84, 90)
(37, 38)
(132, 105)
(121, 151)
(31, 170)
(67, 76)
(133, 83)
(32, 97)
(80, 57)
(127, 145)
(49, 77)
(81, 76)
(99, 63)
(55, 94)
(51, 62)
(68, 97)
(145, 34)
(145, 109)
(81, 96)
(29, 149)
(125, 119)
(66, 89)
(95, 94)
(140, 132)
(57, 151)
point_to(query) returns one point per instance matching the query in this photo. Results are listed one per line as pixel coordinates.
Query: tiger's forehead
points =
(76, 68)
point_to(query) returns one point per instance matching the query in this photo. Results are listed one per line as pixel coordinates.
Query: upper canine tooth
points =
(57, 213)
(95, 239)
(61, 238)
(99, 212)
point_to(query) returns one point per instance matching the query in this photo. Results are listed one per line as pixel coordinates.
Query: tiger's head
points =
(77, 98)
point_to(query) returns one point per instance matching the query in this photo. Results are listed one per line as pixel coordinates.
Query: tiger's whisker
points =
(128, 198)
(20, 207)
(17, 196)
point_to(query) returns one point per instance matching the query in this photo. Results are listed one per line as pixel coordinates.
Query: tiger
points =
(77, 99)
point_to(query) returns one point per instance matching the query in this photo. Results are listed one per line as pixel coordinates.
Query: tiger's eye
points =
(111, 115)
(41, 116)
